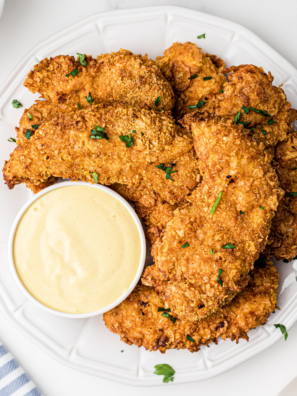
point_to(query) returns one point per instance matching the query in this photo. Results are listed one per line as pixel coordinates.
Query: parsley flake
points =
(185, 245)
(213, 209)
(245, 124)
(173, 319)
(79, 106)
(221, 91)
(237, 117)
(89, 98)
(94, 176)
(167, 170)
(193, 76)
(29, 116)
(245, 109)
(81, 58)
(219, 280)
(98, 133)
(142, 134)
(127, 139)
(198, 105)
(271, 121)
(133, 131)
(211, 251)
(11, 140)
(292, 194)
(157, 101)
(229, 246)
(164, 309)
(262, 207)
(294, 168)
(28, 134)
(252, 129)
(35, 126)
(201, 36)
(165, 314)
(263, 130)
(262, 112)
(16, 104)
(241, 212)
(73, 73)
(122, 351)
(166, 370)
(282, 329)
(207, 78)
(190, 338)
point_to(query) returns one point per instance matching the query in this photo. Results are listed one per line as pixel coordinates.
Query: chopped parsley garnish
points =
(221, 91)
(282, 329)
(241, 212)
(94, 176)
(79, 106)
(28, 134)
(190, 338)
(173, 319)
(245, 109)
(229, 246)
(30, 116)
(262, 112)
(292, 194)
(262, 207)
(133, 131)
(73, 73)
(263, 130)
(207, 78)
(245, 124)
(185, 245)
(294, 168)
(127, 139)
(198, 105)
(89, 98)
(167, 170)
(166, 370)
(237, 117)
(11, 140)
(164, 309)
(193, 76)
(211, 251)
(98, 133)
(16, 104)
(201, 36)
(213, 209)
(252, 129)
(142, 134)
(271, 121)
(165, 314)
(157, 101)
(81, 58)
(35, 126)
(219, 280)
(122, 351)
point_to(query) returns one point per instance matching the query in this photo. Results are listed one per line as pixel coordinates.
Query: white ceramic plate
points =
(86, 344)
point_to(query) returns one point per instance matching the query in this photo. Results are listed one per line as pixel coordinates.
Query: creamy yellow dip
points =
(77, 249)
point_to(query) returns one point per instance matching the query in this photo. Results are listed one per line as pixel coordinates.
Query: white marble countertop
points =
(24, 24)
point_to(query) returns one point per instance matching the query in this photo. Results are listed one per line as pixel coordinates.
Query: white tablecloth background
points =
(24, 24)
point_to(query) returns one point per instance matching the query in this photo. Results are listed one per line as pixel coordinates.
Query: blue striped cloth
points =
(13, 380)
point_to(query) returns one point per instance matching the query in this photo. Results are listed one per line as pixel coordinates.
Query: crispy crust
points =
(138, 321)
(113, 77)
(230, 163)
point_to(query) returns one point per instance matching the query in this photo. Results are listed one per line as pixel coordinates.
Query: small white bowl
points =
(141, 262)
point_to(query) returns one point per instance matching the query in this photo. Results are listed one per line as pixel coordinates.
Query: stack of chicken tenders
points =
(209, 158)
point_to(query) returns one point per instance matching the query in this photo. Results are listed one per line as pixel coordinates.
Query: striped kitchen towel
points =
(13, 380)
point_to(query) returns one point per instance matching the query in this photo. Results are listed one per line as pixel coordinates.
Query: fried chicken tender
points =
(138, 321)
(112, 77)
(282, 242)
(195, 245)
(185, 66)
(62, 147)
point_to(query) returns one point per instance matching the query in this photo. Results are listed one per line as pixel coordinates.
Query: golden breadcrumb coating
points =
(282, 242)
(182, 62)
(62, 147)
(113, 77)
(186, 277)
(138, 321)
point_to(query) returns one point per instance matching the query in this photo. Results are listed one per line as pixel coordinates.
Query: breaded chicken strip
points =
(203, 258)
(137, 320)
(63, 147)
(282, 242)
(115, 77)
(193, 75)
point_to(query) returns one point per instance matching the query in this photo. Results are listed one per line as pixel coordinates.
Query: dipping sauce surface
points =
(77, 249)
